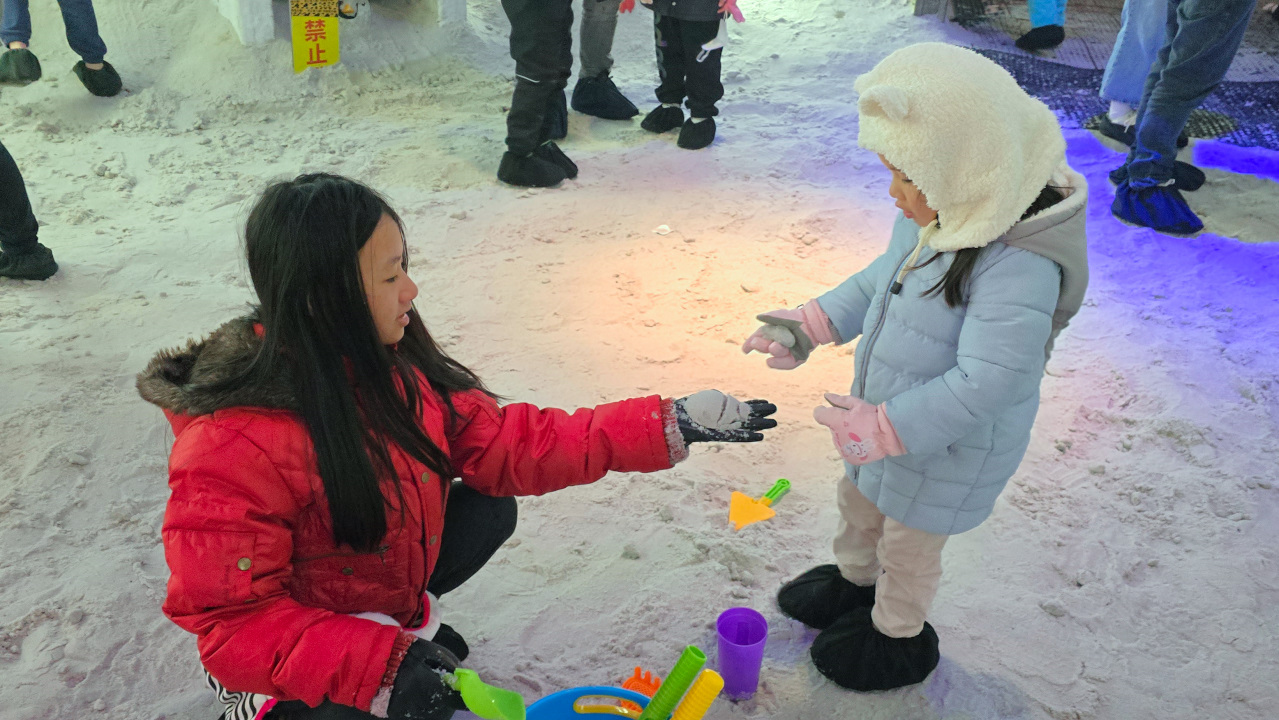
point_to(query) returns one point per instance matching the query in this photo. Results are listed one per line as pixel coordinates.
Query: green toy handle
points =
(780, 488)
(676, 683)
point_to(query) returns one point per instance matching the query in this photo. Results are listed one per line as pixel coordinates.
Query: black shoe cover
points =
(663, 119)
(598, 96)
(1158, 207)
(854, 655)
(451, 641)
(696, 135)
(529, 171)
(551, 152)
(19, 67)
(34, 264)
(1043, 37)
(821, 596)
(103, 83)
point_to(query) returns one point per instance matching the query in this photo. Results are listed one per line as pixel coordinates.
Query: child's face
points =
(387, 287)
(909, 199)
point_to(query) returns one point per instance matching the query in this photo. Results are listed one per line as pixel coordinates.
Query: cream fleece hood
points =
(977, 146)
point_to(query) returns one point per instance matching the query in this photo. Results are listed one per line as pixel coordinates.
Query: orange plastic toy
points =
(643, 683)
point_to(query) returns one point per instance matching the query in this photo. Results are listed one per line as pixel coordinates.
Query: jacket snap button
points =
(434, 539)
(244, 564)
(426, 476)
(348, 571)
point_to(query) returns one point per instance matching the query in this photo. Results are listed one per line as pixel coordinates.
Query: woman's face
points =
(909, 199)
(387, 287)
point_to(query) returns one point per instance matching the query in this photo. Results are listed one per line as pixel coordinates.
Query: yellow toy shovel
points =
(744, 509)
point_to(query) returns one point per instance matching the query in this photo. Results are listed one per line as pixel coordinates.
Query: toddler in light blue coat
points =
(986, 264)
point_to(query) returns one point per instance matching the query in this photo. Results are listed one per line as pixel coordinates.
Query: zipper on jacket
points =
(879, 325)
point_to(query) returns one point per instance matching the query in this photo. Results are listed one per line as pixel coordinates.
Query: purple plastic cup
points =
(742, 634)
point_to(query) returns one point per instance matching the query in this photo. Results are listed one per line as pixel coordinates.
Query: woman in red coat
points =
(312, 475)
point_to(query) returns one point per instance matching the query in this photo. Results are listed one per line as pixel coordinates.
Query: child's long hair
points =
(355, 395)
(953, 286)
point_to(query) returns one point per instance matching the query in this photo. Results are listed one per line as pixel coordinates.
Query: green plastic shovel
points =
(486, 701)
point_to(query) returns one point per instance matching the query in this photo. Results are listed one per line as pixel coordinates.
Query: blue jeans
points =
(1203, 36)
(1047, 12)
(1143, 27)
(77, 15)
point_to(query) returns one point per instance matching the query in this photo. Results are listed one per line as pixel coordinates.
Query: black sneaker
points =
(821, 596)
(34, 264)
(529, 171)
(856, 656)
(103, 83)
(696, 133)
(452, 641)
(598, 96)
(555, 123)
(551, 152)
(663, 119)
(19, 67)
(1044, 37)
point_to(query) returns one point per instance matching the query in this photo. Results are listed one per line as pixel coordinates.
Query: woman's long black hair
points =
(355, 395)
(953, 286)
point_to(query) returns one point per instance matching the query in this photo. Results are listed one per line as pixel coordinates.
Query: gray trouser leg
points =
(599, 22)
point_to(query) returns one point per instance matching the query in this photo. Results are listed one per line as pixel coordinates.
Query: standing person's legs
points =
(82, 30)
(540, 30)
(1047, 25)
(1203, 37)
(15, 26)
(18, 65)
(701, 82)
(670, 69)
(889, 644)
(595, 94)
(21, 254)
(599, 24)
(856, 544)
(1141, 34)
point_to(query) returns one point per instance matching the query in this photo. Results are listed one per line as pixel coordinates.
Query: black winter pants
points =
(18, 225)
(679, 44)
(475, 526)
(542, 47)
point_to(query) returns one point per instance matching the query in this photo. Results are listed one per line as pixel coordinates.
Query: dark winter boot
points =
(821, 596)
(452, 641)
(1159, 207)
(33, 264)
(1044, 37)
(663, 119)
(598, 96)
(552, 153)
(1185, 177)
(697, 133)
(555, 122)
(19, 67)
(103, 83)
(854, 655)
(529, 171)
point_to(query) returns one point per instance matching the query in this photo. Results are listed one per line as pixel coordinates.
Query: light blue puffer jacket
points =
(961, 384)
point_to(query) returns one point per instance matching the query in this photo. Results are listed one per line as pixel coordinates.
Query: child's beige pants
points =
(902, 563)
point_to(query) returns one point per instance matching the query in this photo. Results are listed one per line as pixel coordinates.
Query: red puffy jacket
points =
(254, 570)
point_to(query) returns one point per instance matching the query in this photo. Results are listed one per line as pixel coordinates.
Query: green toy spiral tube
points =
(680, 677)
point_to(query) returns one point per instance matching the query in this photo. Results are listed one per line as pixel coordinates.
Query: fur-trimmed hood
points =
(178, 380)
(958, 125)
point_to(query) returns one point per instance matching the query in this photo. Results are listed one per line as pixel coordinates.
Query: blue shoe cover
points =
(1158, 207)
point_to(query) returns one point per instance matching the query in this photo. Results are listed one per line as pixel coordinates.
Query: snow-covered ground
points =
(1131, 569)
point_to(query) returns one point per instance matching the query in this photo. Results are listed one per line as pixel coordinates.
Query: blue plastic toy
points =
(566, 705)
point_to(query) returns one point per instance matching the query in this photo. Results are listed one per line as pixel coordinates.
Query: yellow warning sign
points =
(315, 36)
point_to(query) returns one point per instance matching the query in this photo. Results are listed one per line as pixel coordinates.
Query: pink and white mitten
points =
(862, 432)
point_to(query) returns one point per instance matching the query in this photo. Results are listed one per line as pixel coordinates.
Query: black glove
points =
(419, 692)
(712, 416)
